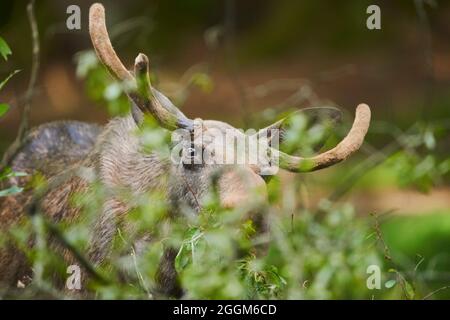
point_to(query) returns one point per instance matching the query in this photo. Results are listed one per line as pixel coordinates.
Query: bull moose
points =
(114, 155)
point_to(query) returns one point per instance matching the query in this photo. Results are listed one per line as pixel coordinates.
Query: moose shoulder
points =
(69, 154)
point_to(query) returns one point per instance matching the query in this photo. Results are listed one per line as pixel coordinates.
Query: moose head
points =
(191, 180)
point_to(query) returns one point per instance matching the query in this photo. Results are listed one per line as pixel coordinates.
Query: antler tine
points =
(147, 99)
(351, 143)
(102, 44)
(155, 102)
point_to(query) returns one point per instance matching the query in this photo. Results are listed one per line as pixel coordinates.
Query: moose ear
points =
(312, 125)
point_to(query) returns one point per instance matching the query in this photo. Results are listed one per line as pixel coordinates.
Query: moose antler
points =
(351, 143)
(148, 100)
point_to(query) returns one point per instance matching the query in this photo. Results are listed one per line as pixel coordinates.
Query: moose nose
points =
(241, 187)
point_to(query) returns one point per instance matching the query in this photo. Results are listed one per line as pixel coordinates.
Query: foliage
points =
(5, 50)
(419, 245)
(4, 107)
(102, 89)
(221, 255)
(306, 253)
(99, 85)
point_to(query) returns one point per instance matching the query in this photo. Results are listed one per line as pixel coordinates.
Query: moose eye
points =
(192, 157)
(188, 152)
(191, 152)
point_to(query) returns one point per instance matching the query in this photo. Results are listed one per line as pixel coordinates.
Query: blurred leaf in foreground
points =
(5, 51)
(10, 191)
(3, 108)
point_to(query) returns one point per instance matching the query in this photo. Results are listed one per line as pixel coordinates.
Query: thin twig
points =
(422, 259)
(230, 29)
(34, 209)
(387, 253)
(199, 207)
(54, 231)
(35, 206)
(136, 267)
(435, 291)
(35, 63)
(427, 53)
(377, 158)
(364, 167)
(24, 125)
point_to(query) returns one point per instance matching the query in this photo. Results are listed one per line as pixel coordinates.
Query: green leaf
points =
(390, 283)
(8, 173)
(5, 173)
(182, 259)
(3, 108)
(3, 83)
(430, 141)
(5, 51)
(203, 81)
(409, 290)
(86, 61)
(17, 174)
(10, 191)
(112, 91)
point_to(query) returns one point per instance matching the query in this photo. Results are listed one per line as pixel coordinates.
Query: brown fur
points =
(116, 159)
